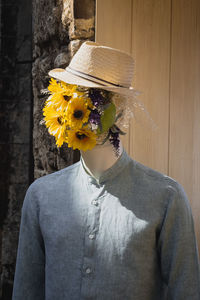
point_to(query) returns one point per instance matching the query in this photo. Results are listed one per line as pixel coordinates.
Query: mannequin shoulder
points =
(153, 176)
(57, 178)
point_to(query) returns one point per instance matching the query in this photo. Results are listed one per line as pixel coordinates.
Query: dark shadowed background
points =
(35, 37)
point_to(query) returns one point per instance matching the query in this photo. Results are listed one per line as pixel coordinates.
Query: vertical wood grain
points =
(151, 51)
(184, 158)
(164, 39)
(113, 29)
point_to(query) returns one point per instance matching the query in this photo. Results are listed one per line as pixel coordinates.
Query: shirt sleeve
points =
(178, 248)
(29, 278)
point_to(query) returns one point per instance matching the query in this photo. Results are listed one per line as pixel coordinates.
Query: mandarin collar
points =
(109, 173)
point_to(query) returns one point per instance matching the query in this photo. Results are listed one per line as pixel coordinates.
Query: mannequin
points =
(100, 158)
(130, 233)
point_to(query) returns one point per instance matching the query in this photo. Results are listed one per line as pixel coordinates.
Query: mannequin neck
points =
(100, 158)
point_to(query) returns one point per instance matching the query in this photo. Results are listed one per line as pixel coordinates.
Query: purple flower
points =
(94, 117)
(96, 97)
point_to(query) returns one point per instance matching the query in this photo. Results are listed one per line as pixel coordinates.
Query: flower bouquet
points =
(80, 116)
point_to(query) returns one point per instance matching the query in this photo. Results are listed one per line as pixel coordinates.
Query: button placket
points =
(91, 232)
(94, 183)
(90, 180)
(94, 202)
(91, 236)
(88, 270)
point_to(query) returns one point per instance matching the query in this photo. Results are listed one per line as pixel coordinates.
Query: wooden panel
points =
(113, 29)
(113, 23)
(184, 159)
(146, 35)
(164, 39)
(151, 51)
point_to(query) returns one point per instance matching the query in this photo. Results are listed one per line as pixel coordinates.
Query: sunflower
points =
(58, 101)
(61, 92)
(61, 140)
(63, 88)
(82, 139)
(55, 121)
(57, 86)
(77, 112)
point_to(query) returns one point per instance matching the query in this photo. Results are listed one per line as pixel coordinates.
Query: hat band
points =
(91, 77)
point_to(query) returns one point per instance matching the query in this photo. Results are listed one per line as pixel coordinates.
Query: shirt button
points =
(90, 180)
(94, 202)
(91, 236)
(88, 270)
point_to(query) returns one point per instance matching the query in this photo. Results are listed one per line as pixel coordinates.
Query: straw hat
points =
(99, 66)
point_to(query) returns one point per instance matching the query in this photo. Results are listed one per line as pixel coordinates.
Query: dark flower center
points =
(80, 136)
(66, 97)
(59, 119)
(78, 114)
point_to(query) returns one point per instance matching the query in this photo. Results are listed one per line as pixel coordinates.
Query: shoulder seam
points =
(61, 171)
(162, 175)
(146, 171)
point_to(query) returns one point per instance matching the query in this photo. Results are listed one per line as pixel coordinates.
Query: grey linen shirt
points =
(129, 235)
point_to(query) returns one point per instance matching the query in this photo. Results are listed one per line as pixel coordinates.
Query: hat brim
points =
(64, 75)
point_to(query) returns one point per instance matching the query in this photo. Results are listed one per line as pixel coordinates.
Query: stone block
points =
(67, 12)
(82, 29)
(9, 88)
(84, 9)
(74, 45)
(46, 21)
(24, 31)
(8, 55)
(9, 14)
(16, 84)
(14, 163)
(61, 60)
(15, 199)
(15, 122)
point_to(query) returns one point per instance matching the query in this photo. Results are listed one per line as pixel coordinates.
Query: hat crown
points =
(106, 63)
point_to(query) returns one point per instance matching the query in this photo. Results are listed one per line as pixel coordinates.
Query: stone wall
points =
(16, 163)
(35, 37)
(59, 29)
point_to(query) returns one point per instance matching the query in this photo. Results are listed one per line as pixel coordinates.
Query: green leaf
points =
(107, 118)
